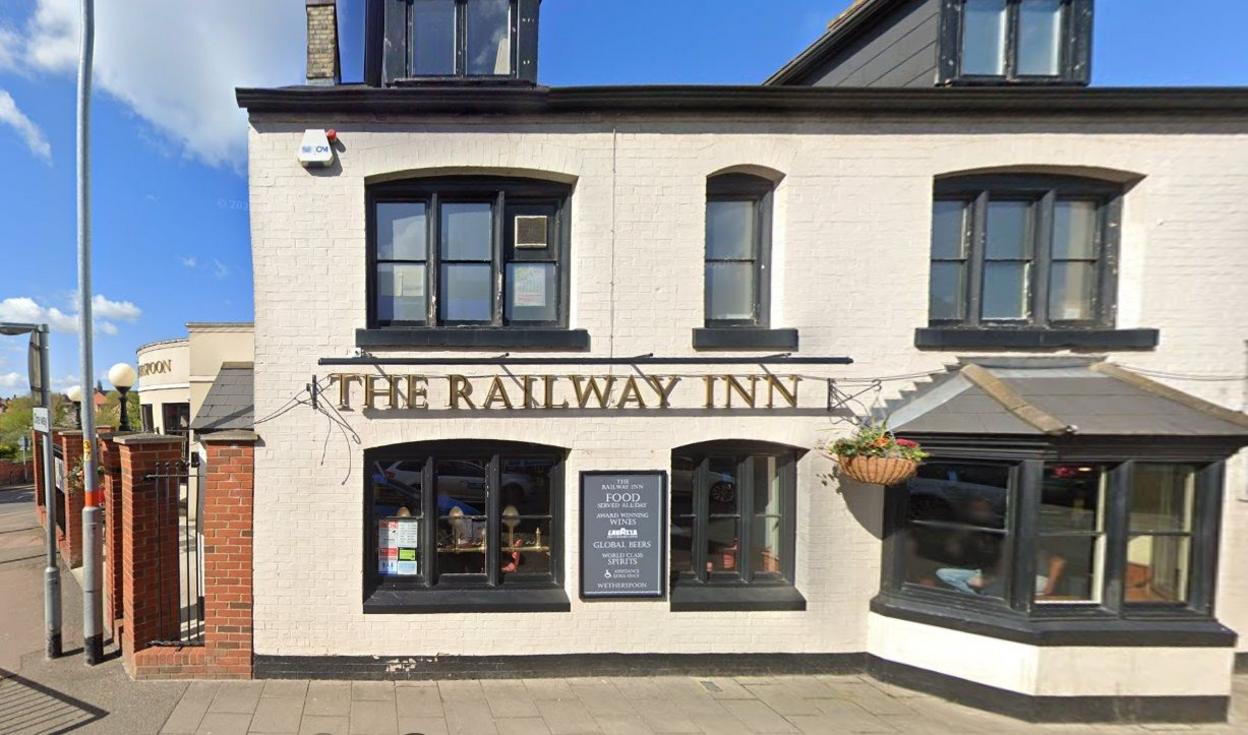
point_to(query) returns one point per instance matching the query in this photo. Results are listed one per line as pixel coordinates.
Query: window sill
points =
(1095, 629)
(1004, 338)
(744, 338)
(390, 601)
(743, 598)
(474, 337)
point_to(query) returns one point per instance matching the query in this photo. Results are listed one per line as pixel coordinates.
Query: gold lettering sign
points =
(378, 392)
(156, 367)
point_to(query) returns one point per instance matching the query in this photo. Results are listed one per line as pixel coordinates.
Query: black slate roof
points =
(230, 401)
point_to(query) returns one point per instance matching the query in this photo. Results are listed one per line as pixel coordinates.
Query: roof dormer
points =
(451, 41)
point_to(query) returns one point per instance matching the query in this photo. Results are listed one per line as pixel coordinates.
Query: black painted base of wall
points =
(1241, 663)
(402, 668)
(1050, 709)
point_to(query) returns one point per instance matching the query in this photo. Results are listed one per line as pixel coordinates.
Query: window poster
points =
(529, 285)
(409, 283)
(398, 544)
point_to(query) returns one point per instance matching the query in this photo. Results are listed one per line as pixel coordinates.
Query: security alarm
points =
(316, 150)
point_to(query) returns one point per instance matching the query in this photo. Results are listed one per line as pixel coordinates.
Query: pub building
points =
(541, 373)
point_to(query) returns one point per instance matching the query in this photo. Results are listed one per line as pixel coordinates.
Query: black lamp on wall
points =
(122, 376)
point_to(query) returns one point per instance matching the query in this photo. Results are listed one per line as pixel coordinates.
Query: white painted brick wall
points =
(851, 231)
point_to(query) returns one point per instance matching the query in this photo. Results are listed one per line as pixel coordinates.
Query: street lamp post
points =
(74, 394)
(122, 376)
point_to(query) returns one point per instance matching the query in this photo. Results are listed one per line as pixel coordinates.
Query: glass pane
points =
(532, 293)
(682, 485)
(949, 230)
(1072, 291)
(983, 37)
(964, 494)
(729, 230)
(946, 291)
(401, 292)
(396, 488)
(722, 545)
(433, 42)
(525, 487)
(767, 485)
(1161, 497)
(466, 291)
(1039, 36)
(1157, 569)
(1068, 568)
(524, 545)
(401, 231)
(489, 37)
(1009, 231)
(1005, 291)
(1072, 497)
(467, 231)
(461, 505)
(682, 544)
(1074, 230)
(730, 291)
(722, 486)
(970, 562)
(765, 544)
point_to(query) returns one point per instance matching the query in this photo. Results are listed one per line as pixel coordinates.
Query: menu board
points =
(398, 542)
(623, 534)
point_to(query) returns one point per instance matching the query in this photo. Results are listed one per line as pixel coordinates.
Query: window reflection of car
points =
(723, 489)
(460, 484)
(955, 501)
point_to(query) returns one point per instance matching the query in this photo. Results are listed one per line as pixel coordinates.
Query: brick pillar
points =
(227, 526)
(70, 540)
(110, 494)
(149, 543)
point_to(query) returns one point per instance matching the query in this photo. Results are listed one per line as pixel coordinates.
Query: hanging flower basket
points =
(874, 456)
(878, 470)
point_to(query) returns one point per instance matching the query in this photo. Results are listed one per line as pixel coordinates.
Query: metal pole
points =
(92, 605)
(51, 572)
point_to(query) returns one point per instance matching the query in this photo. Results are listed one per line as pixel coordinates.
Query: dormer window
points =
(472, 38)
(1016, 41)
(417, 41)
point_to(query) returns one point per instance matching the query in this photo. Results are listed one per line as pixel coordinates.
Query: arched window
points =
(462, 516)
(738, 250)
(1024, 251)
(468, 252)
(732, 526)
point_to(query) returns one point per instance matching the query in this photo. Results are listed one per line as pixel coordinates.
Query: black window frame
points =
(1019, 616)
(1042, 192)
(461, 43)
(747, 588)
(759, 192)
(505, 195)
(1074, 66)
(429, 584)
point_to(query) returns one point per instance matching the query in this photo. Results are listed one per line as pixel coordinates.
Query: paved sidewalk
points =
(715, 706)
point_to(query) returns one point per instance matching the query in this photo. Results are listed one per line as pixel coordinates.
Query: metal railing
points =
(179, 523)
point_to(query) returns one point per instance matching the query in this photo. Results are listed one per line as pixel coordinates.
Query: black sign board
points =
(623, 534)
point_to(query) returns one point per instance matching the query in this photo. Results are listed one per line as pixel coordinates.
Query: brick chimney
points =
(323, 65)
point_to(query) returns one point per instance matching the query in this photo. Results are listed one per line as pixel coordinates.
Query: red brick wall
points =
(110, 493)
(15, 473)
(227, 562)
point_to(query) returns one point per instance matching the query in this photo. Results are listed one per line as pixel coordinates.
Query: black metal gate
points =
(179, 533)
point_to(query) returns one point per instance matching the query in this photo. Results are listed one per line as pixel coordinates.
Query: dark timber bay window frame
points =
(1074, 47)
(1108, 621)
(747, 588)
(754, 331)
(1034, 328)
(490, 591)
(508, 199)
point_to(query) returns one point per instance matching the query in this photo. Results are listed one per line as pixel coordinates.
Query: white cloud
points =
(12, 380)
(188, 261)
(219, 269)
(105, 311)
(176, 63)
(10, 47)
(31, 134)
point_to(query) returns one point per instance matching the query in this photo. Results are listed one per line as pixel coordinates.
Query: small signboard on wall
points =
(398, 544)
(623, 534)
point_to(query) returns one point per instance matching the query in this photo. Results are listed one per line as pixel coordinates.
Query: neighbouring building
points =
(541, 373)
(177, 376)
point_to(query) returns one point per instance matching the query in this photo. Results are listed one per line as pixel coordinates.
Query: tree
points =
(14, 423)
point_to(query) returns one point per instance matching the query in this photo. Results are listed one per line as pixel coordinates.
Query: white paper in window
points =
(409, 285)
(529, 284)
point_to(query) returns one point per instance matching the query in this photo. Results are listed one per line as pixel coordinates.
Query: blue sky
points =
(170, 189)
